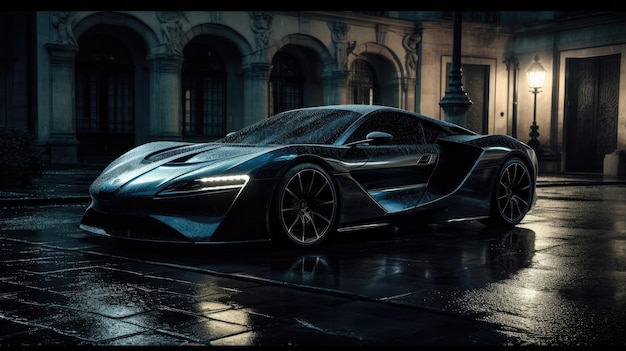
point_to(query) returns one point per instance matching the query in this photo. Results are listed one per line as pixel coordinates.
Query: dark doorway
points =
(591, 108)
(104, 98)
(286, 85)
(362, 84)
(204, 92)
(476, 84)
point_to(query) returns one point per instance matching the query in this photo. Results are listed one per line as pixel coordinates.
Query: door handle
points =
(424, 159)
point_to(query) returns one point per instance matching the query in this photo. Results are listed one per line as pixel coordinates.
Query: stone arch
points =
(388, 67)
(218, 30)
(236, 52)
(315, 60)
(118, 19)
(326, 60)
(141, 41)
(386, 58)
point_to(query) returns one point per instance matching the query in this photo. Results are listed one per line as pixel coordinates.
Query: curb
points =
(579, 183)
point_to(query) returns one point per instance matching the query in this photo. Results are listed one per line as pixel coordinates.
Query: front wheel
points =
(306, 205)
(513, 194)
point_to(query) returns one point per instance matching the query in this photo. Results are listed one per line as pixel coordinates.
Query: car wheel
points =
(306, 206)
(513, 193)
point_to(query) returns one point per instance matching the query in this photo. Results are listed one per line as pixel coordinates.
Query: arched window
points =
(362, 84)
(204, 92)
(286, 84)
(104, 97)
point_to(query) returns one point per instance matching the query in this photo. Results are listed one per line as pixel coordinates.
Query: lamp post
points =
(536, 75)
(512, 64)
(455, 102)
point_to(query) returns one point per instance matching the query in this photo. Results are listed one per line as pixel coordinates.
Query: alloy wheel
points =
(514, 191)
(307, 205)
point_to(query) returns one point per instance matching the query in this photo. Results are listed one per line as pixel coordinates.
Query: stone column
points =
(411, 43)
(408, 94)
(165, 109)
(63, 143)
(255, 97)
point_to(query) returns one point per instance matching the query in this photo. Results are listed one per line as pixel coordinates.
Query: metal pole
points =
(515, 93)
(455, 102)
(512, 64)
(534, 134)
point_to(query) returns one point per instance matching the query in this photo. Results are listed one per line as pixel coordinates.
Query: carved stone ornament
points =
(410, 43)
(171, 29)
(339, 35)
(62, 23)
(261, 25)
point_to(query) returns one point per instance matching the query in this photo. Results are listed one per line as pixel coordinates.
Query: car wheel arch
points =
(496, 215)
(272, 225)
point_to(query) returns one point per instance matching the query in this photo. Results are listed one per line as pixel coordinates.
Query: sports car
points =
(303, 175)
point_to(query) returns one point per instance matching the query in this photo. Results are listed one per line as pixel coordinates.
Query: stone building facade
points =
(91, 84)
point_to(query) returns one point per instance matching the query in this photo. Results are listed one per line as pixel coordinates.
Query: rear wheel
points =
(512, 195)
(306, 205)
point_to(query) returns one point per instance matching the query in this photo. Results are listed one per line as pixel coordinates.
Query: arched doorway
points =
(286, 89)
(362, 84)
(204, 92)
(104, 91)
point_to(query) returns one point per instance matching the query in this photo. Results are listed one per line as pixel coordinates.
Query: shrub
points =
(20, 159)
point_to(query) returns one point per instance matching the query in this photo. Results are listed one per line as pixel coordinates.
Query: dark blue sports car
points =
(302, 175)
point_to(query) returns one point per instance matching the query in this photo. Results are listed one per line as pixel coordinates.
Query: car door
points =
(396, 173)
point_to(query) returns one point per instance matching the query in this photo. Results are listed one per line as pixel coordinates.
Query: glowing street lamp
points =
(536, 75)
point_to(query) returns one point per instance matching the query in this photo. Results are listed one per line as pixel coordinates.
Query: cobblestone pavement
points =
(60, 286)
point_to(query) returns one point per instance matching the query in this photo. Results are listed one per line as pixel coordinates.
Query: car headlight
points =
(208, 184)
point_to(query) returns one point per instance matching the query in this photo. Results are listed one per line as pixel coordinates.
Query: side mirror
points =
(374, 138)
(378, 138)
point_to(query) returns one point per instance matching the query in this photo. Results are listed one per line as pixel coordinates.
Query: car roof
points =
(365, 109)
(362, 109)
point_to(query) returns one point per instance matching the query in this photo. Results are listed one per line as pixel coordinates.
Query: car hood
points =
(154, 165)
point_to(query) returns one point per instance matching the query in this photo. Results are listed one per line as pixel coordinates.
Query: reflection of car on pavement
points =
(302, 175)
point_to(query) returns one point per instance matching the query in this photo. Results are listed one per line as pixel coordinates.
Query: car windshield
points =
(305, 126)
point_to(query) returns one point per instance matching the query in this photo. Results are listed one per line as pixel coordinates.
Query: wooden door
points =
(591, 97)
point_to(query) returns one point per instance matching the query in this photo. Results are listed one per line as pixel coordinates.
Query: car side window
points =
(406, 130)
(430, 133)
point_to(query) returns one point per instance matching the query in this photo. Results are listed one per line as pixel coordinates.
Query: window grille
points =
(286, 87)
(104, 93)
(362, 84)
(204, 92)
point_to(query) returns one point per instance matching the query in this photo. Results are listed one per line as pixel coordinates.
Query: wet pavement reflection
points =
(559, 278)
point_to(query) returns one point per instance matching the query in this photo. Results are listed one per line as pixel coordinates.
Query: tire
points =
(306, 207)
(512, 194)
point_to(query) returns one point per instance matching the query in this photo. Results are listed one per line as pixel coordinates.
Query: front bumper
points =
(224, 216)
